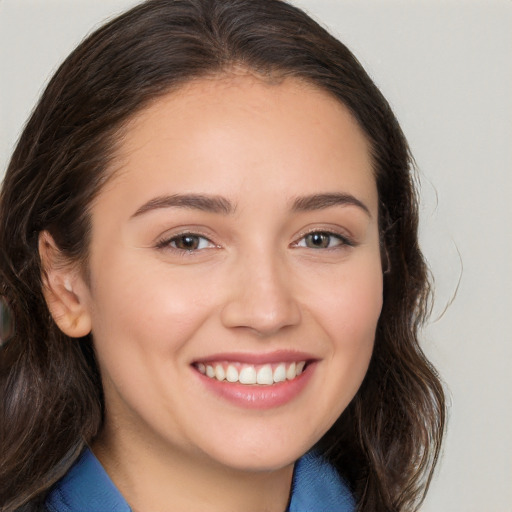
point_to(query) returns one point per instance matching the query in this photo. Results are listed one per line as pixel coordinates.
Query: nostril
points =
(262, 316)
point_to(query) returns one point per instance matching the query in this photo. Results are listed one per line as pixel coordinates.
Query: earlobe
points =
(65, 292)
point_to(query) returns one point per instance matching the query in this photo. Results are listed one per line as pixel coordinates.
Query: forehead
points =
(233, 132)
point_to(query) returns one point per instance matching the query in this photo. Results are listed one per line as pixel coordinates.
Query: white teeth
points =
(265, 376)
(247, 375)
(280, 373)
(220, 374)
(231, 374)
(290, 372)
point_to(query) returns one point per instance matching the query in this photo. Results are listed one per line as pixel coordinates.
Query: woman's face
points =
(235, 272)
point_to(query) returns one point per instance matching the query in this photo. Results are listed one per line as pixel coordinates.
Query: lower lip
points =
(258, 396)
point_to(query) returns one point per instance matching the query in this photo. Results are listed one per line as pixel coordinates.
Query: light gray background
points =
(445, 66)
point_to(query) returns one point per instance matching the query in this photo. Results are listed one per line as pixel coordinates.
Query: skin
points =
(254, 285)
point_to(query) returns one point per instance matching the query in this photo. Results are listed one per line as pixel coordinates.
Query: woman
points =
(209, 239)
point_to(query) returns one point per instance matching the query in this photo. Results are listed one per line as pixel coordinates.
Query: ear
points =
(65, 291)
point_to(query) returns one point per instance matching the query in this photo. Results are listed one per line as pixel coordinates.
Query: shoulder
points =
(317, 487)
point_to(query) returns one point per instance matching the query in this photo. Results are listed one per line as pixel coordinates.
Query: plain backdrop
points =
(445, 66)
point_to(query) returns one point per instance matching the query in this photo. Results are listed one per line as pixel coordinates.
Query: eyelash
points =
(166, 243)
(343, 241)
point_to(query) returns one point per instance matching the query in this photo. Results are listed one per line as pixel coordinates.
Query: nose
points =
(260, 297)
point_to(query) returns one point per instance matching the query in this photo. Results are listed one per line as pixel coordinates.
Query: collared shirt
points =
(316, 487)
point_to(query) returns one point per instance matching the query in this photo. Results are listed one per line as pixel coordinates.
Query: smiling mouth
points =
(252, 374)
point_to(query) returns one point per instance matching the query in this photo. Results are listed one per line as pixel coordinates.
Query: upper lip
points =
(279, 356)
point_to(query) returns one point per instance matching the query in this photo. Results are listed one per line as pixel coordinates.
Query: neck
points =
(153, 477)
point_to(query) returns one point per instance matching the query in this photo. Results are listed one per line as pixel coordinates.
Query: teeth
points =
(247, 375)
(265, 375)
(220, 374)
(280, 373)
(290, 373)
(232, 374)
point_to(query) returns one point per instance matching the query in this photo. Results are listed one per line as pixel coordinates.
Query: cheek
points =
(350, 303)
(138, 307)
(349, 314)
(359, 312)
(347, 307)
(361, 307)
(142, 323)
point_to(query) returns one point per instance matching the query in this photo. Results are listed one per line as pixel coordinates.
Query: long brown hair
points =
(387, 441)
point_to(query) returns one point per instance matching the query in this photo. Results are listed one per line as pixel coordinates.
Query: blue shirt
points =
(86, 487)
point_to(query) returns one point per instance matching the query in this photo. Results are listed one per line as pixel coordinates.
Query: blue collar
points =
(317, 487)
(87, 487)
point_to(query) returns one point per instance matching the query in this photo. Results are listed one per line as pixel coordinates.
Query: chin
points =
(267, 454)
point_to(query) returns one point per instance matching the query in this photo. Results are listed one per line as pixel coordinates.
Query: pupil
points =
(319, 240)
(187, 242)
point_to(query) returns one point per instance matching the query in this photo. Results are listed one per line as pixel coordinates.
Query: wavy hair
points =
(386, 443)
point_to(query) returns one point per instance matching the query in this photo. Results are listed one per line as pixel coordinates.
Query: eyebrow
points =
(322, 201)
(206, 203)
(221, 205)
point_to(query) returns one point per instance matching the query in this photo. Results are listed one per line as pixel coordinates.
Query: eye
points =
(322, 240)
(186, 242)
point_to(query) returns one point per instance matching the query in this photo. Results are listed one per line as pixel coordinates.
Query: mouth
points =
(266, 374)
(256, 381)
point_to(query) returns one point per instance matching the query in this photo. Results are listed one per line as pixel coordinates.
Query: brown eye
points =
(321, 240)
(186, 242)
